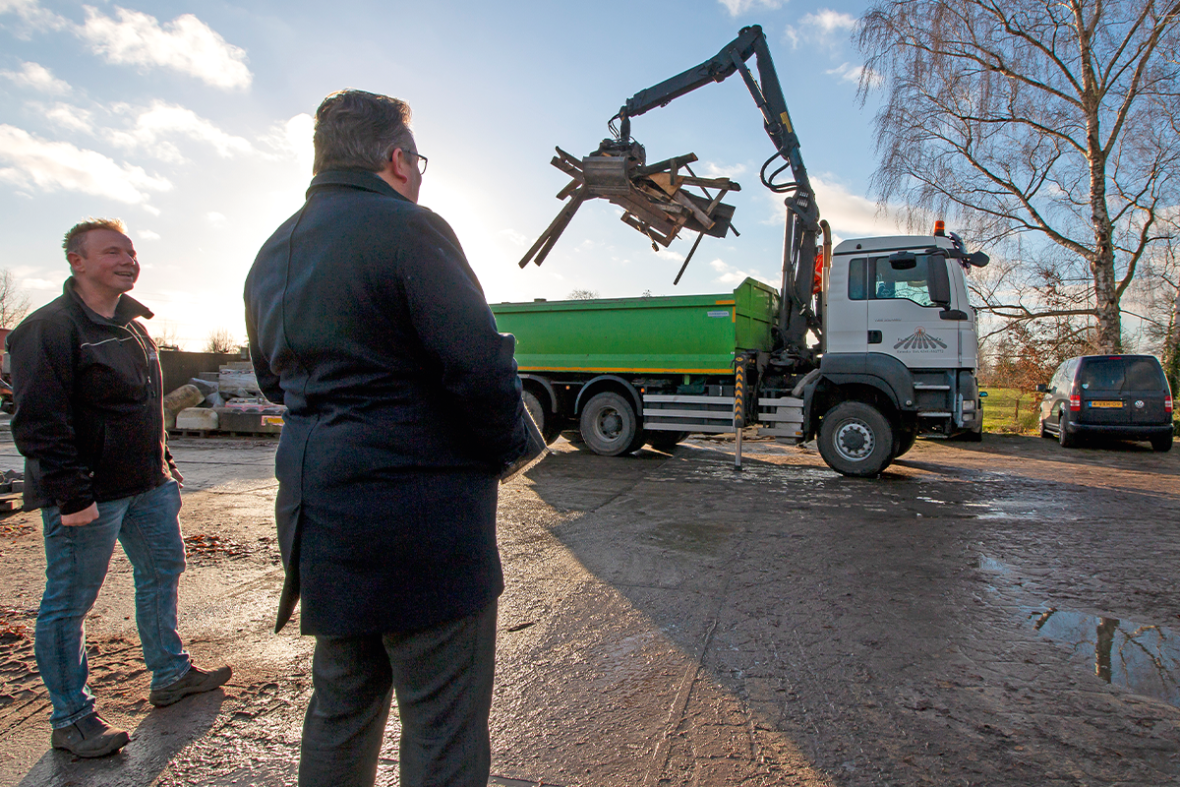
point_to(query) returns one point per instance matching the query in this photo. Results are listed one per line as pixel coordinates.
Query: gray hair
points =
(355, 129)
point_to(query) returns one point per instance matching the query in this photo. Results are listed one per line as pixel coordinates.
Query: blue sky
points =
(192, 122)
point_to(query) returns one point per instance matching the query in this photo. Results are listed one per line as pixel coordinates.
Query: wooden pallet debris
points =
(655, 198)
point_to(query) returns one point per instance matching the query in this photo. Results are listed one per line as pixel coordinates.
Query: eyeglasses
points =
(422, 160)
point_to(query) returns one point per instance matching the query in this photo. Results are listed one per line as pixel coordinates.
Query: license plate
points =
(1106, 404)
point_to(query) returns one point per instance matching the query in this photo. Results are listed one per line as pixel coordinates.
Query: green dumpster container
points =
(690, 334)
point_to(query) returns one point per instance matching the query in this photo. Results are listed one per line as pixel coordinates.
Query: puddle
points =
(1141, 658)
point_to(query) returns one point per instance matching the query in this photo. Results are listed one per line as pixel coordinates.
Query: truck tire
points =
(549, 423)
(609, 425)
(855, 439)
(665, 441)
(903, 441)
(1064, 437)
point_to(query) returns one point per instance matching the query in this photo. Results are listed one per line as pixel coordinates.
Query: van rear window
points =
(1121, 374)
(1144, 374)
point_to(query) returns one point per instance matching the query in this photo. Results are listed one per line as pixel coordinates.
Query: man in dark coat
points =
(90, 423)
(403, 408)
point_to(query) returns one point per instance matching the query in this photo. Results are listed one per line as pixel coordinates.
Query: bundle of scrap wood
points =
(655, 198)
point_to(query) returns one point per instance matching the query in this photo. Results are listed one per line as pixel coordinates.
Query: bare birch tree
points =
(1047, 128)
(14, 305)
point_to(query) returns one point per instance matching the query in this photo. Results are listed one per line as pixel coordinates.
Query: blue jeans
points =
(76, 560)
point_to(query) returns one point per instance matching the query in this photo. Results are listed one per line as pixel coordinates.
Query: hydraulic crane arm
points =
(767, 93)
(797, 313)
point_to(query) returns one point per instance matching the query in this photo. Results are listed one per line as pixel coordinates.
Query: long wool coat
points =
(367, 322)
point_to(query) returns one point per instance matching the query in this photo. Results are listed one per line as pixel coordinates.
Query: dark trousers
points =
(443, 680)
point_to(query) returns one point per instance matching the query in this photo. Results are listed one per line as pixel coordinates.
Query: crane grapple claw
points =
(655, 198)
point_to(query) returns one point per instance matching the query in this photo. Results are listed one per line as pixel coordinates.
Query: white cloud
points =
(850, 215)
(515, 238)
(850, 73)
(185, 44)
(731, 276)
(720, 171)
(820, 28)
(828, 22)
(154, 125)
(847, 72)
(217, 219)
(292, 139)
(736, 7)
(147, 235)
(51, 166)
(34, 15)
(35, 76)
(41, 284)
(71, 117)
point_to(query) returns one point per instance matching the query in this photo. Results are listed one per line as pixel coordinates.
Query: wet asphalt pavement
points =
(995, 614)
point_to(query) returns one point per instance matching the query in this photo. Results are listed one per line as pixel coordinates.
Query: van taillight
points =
(1168, 404)
(1075, 403)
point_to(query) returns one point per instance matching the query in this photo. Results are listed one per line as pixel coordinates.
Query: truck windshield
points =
(877, 279)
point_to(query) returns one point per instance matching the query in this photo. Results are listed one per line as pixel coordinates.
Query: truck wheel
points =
(549, 423)
(904, 440)
(609, 425)
(855, 439)
(665, 441)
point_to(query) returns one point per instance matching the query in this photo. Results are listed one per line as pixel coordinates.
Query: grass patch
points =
(1008, 411)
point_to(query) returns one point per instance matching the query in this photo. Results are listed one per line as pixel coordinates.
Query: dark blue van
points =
(1119, 396)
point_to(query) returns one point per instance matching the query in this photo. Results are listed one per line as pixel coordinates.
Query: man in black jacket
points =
(89, 421)
(403, 407)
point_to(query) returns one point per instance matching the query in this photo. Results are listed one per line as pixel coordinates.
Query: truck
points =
(864, 347)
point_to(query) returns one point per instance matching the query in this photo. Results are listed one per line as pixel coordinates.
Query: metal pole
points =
(739, 410)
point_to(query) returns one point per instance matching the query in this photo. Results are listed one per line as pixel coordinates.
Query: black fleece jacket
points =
(89, 414)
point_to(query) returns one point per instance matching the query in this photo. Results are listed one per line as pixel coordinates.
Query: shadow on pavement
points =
(850, 620)
(157, 740)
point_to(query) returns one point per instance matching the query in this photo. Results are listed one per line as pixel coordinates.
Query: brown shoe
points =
(90, 736)
(195, 681)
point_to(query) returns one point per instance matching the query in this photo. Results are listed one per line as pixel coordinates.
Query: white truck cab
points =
(898, 353)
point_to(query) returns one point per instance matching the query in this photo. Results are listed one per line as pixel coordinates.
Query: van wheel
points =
(609, 425)
(855, 439)
(548, 423)
(1162, 443)
(1066, 439)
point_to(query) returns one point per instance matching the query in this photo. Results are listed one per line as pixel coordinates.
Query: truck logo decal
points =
(920, 340)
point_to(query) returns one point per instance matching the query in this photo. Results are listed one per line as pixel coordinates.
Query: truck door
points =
(900, 307)
(968, 338)
(846, 309)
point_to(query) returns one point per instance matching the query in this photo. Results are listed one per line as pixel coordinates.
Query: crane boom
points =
(797, 314)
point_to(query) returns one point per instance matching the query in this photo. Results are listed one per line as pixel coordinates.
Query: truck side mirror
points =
(1042, 388)
(939, 281)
